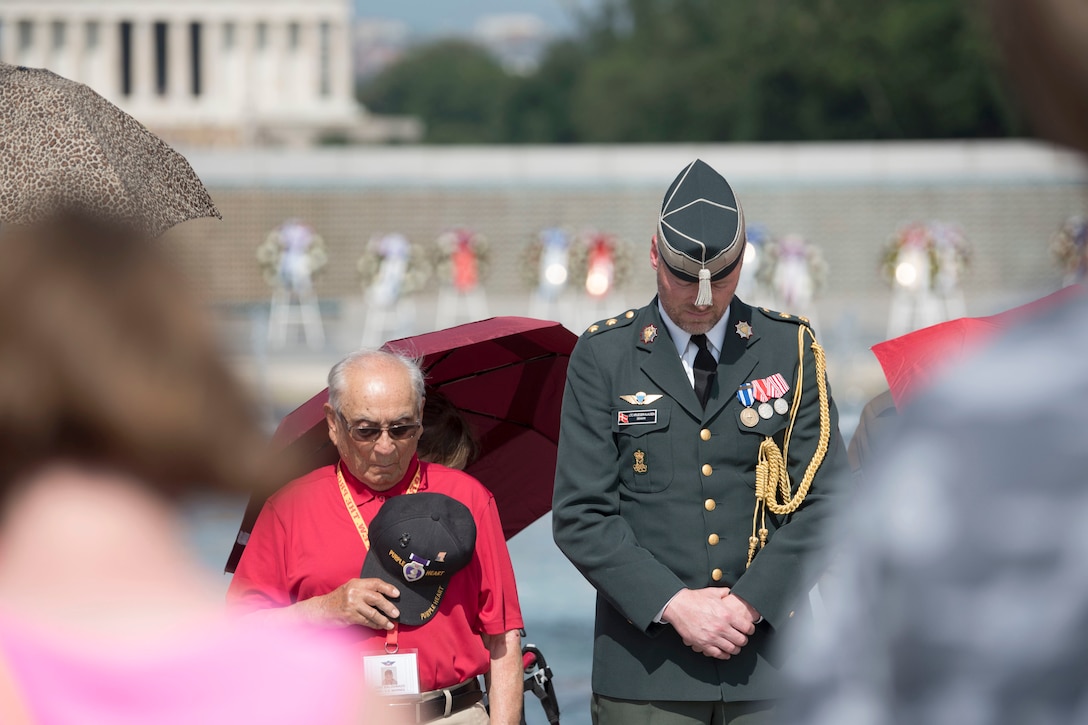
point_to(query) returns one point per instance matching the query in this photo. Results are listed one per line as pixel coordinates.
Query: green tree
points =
(736, 70)
(457, 88)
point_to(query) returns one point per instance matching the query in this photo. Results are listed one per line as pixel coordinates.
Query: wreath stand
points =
(456, 305)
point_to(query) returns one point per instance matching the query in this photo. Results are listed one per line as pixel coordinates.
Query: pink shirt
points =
(304, 544)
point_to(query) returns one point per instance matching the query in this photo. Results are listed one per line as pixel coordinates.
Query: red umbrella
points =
(506, 377)
(911, 361)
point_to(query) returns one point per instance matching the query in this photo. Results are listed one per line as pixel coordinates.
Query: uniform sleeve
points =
(260, 580)
(788, 566)
(500, 610)
(586, 519)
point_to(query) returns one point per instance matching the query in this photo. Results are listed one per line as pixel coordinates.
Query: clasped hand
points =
(713, 621)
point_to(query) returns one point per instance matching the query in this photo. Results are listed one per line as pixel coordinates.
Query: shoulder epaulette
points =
(784, 316)
(612, 322)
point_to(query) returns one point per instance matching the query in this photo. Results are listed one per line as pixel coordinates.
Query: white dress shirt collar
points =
(715, 335)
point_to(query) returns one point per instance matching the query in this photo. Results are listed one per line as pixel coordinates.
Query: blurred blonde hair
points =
(107, 359)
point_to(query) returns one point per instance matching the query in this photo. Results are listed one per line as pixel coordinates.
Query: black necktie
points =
(704, 368)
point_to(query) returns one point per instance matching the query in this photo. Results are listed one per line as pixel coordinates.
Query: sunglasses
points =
(370, 434)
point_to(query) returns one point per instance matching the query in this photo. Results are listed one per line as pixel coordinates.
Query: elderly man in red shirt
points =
(305, 555)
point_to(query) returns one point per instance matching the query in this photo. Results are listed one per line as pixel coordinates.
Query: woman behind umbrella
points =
(114, 405)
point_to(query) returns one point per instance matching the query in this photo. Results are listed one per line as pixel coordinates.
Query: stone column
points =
(8, 40)
(89, 55)
(340, 61)
(277, 65)
(246, 92)
(36, 55)
(142, 61)
(308, 58)
(212, 66)
(57, 46)
(109, 56)
(179, 64)
(74, 51)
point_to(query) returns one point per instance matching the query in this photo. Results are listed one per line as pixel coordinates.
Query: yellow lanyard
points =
(353, 510)
(391, 646)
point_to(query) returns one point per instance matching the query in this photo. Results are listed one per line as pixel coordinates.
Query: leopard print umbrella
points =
(63, 147)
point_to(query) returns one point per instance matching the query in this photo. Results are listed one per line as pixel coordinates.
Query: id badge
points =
(392, 674)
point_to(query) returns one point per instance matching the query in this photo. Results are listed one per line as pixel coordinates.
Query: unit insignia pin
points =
(649, 333)
(744, 329)
(640, 462)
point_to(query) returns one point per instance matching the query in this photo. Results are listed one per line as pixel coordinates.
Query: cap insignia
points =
(744, 329)
(649, 333)
(416, 568)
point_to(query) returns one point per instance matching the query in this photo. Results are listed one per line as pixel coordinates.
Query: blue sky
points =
(430, 17)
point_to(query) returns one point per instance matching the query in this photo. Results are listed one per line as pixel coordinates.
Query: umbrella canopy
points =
(64, 146)
(506, 376)
(911, 361)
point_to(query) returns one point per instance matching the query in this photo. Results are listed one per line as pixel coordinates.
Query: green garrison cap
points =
(700, 233)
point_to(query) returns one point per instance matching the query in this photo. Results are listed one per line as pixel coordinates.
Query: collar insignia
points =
(649, 333)
(744, 329)
(640, 398)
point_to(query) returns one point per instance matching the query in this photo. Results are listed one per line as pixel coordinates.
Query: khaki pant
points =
(475, 715)
(610, 711)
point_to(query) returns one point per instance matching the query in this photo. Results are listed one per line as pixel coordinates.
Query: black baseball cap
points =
(417, 542)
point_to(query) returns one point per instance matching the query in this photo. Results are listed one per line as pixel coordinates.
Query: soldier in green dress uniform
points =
(699, 463)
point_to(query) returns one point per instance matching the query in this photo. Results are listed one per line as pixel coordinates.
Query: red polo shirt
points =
(304, 544)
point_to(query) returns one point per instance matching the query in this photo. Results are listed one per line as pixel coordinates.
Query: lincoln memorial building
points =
(207, 72)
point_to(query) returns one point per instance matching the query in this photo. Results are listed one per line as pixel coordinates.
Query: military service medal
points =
(416, 568)
(762, 394)
(746, 396)
(778, 388)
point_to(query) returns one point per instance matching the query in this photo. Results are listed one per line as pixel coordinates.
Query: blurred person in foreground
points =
(323, 550)
(963, 593)
(115, 406)
(699, 460)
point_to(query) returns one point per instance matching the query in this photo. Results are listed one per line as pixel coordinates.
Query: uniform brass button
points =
(593, 328)
(629, 314)
(791, 615)
(712, 539)
(716, 575)
(709, 504)
(610, 321)
(705, 434)
(707, 470)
